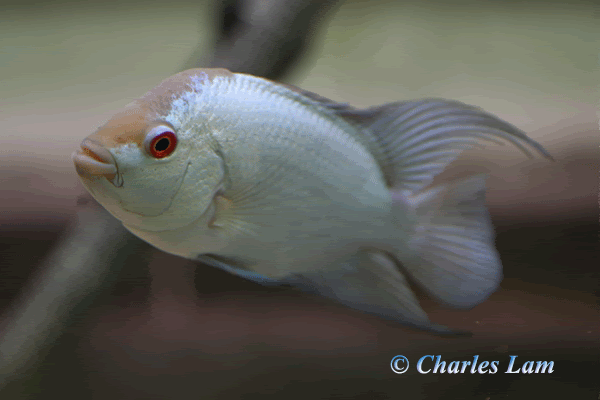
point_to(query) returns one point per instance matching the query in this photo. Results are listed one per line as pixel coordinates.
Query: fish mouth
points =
(94, 160)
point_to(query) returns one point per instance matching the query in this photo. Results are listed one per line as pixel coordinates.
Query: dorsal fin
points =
(413, 141)
(317, 98)
(420, 138)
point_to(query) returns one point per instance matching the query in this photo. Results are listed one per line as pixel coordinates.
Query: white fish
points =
(280, 185)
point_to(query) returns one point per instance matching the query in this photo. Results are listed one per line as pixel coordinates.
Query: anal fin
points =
(370, 281)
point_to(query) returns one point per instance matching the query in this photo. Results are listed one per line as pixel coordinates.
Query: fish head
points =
(155, 165)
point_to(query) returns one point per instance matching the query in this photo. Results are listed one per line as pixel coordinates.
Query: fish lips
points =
(92, 160)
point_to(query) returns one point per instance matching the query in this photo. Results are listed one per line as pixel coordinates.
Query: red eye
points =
(162, 144)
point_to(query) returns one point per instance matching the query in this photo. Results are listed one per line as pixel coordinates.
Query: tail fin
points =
(453, 254)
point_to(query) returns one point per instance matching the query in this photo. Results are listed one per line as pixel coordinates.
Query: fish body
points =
(280, 185)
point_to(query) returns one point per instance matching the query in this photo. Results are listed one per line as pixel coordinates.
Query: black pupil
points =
(162, 144)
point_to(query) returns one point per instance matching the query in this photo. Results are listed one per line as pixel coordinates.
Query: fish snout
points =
(94, 160)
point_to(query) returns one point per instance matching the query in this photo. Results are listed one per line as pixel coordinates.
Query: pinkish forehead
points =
(185, 81)
(127, 126)
(131, 125)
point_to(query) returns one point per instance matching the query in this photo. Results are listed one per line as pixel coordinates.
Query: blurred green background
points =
(65, 67)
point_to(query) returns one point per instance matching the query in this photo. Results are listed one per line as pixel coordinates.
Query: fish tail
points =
(451, 251)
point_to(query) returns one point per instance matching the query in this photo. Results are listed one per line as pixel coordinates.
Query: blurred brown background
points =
(191, 332)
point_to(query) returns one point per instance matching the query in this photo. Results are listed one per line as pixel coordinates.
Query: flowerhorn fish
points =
(282, 186)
